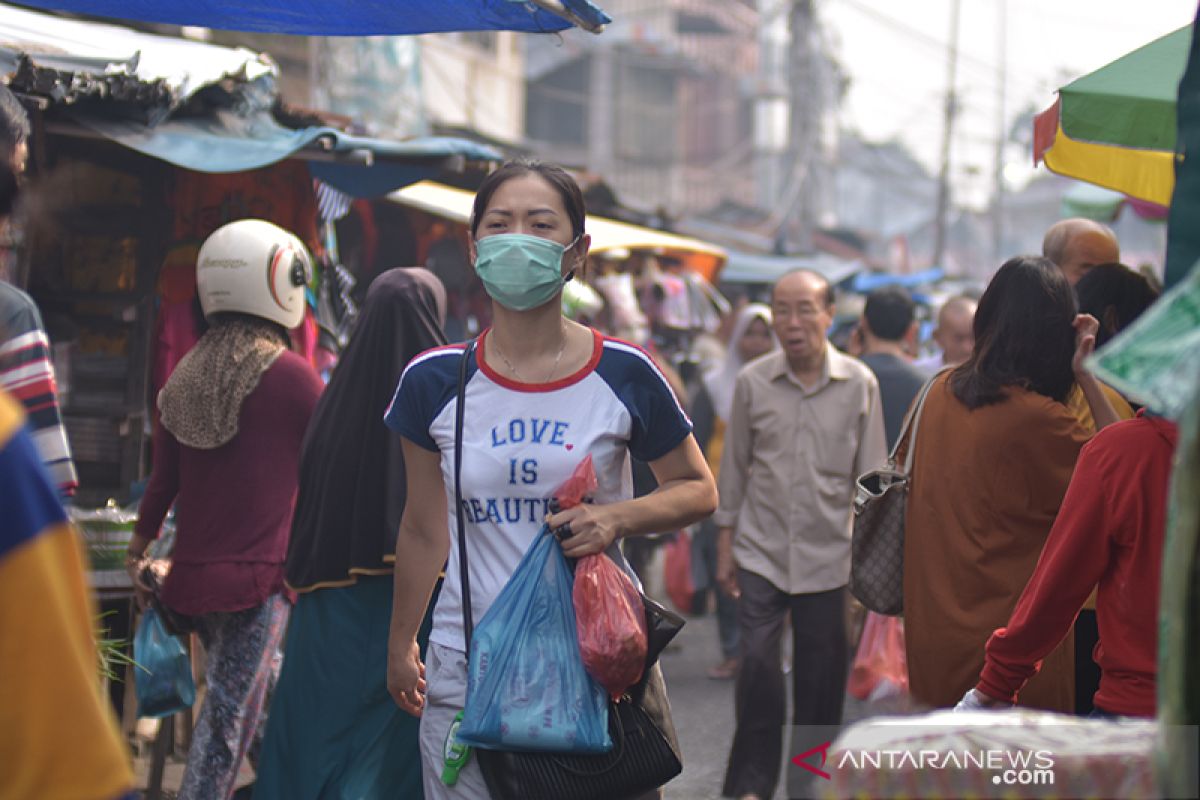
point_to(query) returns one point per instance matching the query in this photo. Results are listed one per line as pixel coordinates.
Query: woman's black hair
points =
(1024, 335)
(1114, 294)
(554, 175)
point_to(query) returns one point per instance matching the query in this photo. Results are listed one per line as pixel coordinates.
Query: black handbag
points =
(645, 752)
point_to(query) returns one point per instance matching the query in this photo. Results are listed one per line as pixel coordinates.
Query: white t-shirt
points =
(521, 442)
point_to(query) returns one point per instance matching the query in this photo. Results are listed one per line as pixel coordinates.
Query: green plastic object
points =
(1156, 360)
(1179, 614)
(455, 754)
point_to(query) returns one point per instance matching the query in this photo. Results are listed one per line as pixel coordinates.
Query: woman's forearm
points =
(673, 505)
(1102, 410)
(418, 561)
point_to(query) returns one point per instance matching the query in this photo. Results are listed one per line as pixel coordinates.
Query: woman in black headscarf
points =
(334, 730)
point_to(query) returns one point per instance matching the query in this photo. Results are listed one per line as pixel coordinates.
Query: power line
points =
(986, 69)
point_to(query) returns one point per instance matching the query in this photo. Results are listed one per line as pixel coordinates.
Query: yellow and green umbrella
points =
(1115, 127)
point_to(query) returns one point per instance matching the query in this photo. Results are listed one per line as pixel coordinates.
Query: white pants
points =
(446, 676)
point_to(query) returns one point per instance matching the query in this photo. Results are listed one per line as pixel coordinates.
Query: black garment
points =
(899, 382)
(352, 483)
(704, 416)
(819, 670)
(1087, 671)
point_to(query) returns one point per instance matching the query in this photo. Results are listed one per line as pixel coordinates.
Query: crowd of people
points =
(332, 606)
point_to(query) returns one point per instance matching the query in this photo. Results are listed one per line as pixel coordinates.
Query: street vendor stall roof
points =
(137, 89)
(608, 235)
(115, 57)
(358, 166)
(348, 17)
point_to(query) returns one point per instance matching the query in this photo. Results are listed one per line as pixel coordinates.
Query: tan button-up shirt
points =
(788, 470)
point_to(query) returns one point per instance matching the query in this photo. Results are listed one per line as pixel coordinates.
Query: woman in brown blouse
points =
(995, 450)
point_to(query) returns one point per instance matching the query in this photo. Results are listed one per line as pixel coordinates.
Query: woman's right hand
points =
(141, 592)
(406, 677)
(1086, 327)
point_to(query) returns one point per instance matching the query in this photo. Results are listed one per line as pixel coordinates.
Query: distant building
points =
(661, 104)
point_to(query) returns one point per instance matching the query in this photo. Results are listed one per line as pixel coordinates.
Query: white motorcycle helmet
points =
(252, 266)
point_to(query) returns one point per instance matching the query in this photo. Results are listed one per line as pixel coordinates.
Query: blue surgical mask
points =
(520, 271)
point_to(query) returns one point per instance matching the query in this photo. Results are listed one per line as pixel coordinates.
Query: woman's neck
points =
(528, 335)
(538, 346)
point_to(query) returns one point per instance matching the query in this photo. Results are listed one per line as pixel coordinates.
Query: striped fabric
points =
(28, 375)
(331, 203)
(58, 738)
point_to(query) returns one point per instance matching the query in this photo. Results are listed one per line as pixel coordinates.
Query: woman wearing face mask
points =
(542, 393)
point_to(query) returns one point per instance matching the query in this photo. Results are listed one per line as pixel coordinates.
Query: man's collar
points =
(836, 367)
(837, 364)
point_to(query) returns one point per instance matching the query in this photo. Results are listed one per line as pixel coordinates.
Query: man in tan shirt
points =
(806, 421)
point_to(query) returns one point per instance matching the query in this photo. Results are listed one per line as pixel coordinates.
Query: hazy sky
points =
(896, 57)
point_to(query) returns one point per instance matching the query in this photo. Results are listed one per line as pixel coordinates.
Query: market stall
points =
(142, 146)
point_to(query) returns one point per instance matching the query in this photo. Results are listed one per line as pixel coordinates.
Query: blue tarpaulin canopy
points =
(347, 17)
(870, 281)
(358, 166)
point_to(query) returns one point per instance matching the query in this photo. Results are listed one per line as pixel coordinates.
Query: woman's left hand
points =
(1086, 328)
(592, 529)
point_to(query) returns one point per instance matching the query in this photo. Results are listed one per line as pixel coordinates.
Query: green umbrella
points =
(1115, 127)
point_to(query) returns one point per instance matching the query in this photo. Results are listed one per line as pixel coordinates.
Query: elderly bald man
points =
(954, 335)
(1076, 245)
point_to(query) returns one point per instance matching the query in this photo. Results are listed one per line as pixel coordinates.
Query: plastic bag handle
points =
(463, 571)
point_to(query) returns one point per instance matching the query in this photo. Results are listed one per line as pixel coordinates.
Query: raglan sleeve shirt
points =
(422, 391)
(659, 424)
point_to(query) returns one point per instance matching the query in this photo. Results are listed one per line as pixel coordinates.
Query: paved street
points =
(702, 708)
(703, 711)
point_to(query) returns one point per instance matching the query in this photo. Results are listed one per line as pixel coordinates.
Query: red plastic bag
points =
(677, 572)
(610, 620)
(575, 489)
(880, 668)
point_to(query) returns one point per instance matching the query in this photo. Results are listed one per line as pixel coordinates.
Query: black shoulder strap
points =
(464, 573)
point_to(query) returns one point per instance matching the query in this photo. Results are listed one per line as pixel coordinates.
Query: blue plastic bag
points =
(527, 688)
(164, 677)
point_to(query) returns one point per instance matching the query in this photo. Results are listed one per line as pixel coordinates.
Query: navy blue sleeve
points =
(659, 422)
(427, 384)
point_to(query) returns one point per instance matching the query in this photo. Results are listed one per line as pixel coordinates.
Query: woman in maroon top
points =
(226, 453)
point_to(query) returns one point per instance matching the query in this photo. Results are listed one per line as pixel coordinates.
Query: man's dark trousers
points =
(819, 667)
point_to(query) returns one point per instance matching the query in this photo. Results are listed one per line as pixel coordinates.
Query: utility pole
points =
(803, 125)
(1001, 131)
(943, 198)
